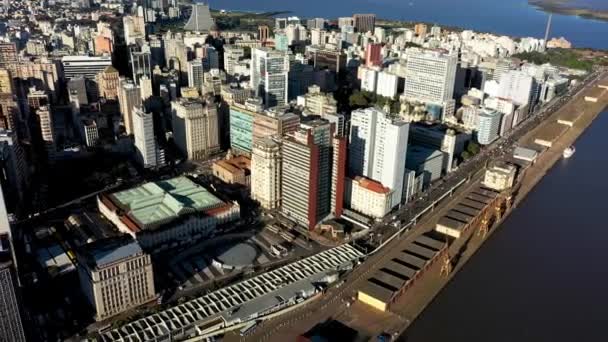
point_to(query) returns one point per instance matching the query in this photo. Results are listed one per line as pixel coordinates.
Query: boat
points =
(569, 152)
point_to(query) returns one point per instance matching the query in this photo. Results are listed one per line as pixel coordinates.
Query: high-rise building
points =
(6, 82)
(195, 127)
(388, 84)
(449, 141)
(307, 163)
(84, 66)
(9, 112)
(145, 142)
(129, 97)
(369, 78)
(263, 33)
(241, 125)
(281, 42)
(108, 82)
(378, 148)
(145, 90)
(431, 76)
(8, 53)
(232, 55)
(269, 76)
(134, 29)
(141, 65)
(266, 173)
(517, 86)
(338, 173)
(13, 167)
(90, 132)
(373, 55)
(346, 21)
(115, 275)
(11, 326)
(317, 103)
(274, 124)
(488, 126)
(195, 74)
(364, 22)
(420, 29)
(45, 123)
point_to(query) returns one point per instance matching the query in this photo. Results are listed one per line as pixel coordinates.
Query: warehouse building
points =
(462, 216)
(168, 212)
(387, 284)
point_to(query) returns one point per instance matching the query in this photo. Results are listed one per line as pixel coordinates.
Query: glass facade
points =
(241, 130)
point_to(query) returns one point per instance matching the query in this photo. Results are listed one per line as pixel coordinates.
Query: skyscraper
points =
(307, 163)
(266, 174)
(13, 168)
(377, 150)
(145, 142)
(195, 127)
(232, 55)
(489, 126)
(84, 66)
(364, 22)
(45, 123)
(373, 55)
(141, 65)
(195, 74)
(431, 76)
(241, 124)
(269, 76)
(274, 123)
(128, 97)
(516, 86)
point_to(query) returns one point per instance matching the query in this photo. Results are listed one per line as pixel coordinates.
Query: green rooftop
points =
(165, 200)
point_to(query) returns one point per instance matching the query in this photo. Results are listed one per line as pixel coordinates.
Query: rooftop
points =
(372, 185)
(161, 201)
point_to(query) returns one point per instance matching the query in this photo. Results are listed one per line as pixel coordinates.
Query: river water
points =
(511, 17)
(542, 275)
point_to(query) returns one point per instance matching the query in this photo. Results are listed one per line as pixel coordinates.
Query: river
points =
(510, 17)
(541, 276)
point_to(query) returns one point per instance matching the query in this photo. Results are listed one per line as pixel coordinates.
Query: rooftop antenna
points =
(548, 29)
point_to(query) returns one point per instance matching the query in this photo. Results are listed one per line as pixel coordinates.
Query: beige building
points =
(6, 82)
(368, 197)
(108, 81)
(116, 275)
(45, 120)
(318, 103)
(274, 124)
(195, 127)
(129, 97)
(266, 173)
(235, 170)
(500, 176)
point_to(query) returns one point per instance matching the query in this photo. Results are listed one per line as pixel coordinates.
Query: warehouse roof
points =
(466, 210)
(450, 223)
(458, 216)
(161, 201)
(473, 204)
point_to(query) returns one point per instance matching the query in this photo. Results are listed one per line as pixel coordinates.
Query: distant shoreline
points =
(561, 7)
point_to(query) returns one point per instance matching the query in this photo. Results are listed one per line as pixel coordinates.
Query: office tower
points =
(195, 74)
(373, 55)
(241, 124)
(13, 167)
(140, 62)
(317, 103)
(129, 96)
(338, 120)
(45, 123)
(269, 76)
(11, 326)
(364, 22)
(489, 126)
(8, 54)
(318, 23)
(108, 82)
(378, 148)
(338, 172)
(115, 275)
(307, 163)
(431, 76)
(300, 78)
(388, 84)
(176, 53)
(145, 90)
(274, 124)
(200, 19)
(266, 173)
(232, 55)
(317, 37)
(9, 112)
(281, 42)
(420, 29)
(84, 66)
(503, 66)
(195, 128)
(426, 162)
(90, 132)
(38, 98)
(263, 33)
(77, 86)
(369, 78)
(517, 86)
(6, 82)
(210, 57)
(145, 142)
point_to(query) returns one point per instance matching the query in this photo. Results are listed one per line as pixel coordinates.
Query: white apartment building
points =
(145, 142)
(368, 197)
(488, 126)
(431, 76)
(266, 173)
(269, 76)
(232, 56)
(388, 84)
(378, 148)
(369, 78)
(516, 86)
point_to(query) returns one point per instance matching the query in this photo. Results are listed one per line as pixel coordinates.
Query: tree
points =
(473, 148)
(358, 100)
(465, 155)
